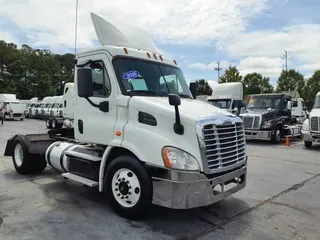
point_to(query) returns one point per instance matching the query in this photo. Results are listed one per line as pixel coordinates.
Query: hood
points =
(190, 109)
(315, 112)
(263, 112)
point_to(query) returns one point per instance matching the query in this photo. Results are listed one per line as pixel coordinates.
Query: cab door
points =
(91, 124)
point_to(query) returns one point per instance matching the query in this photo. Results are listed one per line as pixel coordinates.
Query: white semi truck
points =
(138, 137)
(311, 126)
(63, 111)
(227, 96)
(11, 107)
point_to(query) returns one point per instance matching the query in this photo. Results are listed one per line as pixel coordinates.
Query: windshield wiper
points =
(184, 95)
(147, 92)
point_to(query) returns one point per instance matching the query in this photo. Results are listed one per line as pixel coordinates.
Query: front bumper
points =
(257, 134)
(181, 190)
(310, 137)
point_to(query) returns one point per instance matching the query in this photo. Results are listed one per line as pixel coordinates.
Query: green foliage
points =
(30, 72)
(293, 80)
(203, 87)
(231, 75)
(254, 83)
(312, 86)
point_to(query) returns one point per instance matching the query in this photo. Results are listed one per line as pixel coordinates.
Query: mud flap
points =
(37, 144)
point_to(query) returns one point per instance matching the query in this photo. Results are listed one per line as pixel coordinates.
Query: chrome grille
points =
(315, 124)
(251, 122)
(224, 145)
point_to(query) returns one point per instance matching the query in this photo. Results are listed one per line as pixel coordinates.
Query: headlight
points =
(267, 124)
(175, 158)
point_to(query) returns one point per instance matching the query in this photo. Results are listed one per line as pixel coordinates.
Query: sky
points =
(249, 34)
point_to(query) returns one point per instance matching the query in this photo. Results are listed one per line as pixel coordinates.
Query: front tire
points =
(276, 136)
(25, 162)
(128, 187)
(308, 144)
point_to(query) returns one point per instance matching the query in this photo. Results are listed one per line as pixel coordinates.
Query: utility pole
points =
(218, 69)
(285, 56)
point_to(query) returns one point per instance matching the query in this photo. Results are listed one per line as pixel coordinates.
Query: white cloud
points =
(51, 23)
(310, 67)
(210, 66)
(301, 42)
(8, 37)
(270, 67)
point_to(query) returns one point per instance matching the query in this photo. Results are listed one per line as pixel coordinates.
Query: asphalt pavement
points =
(280, 201)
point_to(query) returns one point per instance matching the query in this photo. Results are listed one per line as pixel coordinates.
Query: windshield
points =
(317, 102)
(265, 102)
(220, 103)
(139, 77)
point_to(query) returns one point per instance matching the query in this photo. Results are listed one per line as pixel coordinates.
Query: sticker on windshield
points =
(131, 75)
(251, 101)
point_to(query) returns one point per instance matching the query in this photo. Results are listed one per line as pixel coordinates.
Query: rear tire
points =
(54, 124)
(25, 162)
(128, 187)
(49, 123)
(308, 144)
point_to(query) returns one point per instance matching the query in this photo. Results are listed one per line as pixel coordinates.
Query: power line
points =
(218, 69)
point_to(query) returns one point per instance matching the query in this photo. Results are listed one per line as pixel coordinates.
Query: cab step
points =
(79, 179)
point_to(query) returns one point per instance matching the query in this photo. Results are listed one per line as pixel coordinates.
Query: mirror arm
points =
(178, 127)
(92, 103)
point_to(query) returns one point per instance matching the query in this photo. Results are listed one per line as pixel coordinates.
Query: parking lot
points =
(280, 201)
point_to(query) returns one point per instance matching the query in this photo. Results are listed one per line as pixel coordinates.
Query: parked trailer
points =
(133, 138)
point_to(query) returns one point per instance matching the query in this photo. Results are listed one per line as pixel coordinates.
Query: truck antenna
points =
(76, 29)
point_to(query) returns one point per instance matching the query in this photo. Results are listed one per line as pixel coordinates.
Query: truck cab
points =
(268, 117)
(311, 126)
(138, 134)
(227, 96)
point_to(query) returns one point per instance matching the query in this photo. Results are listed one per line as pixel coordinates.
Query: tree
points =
(29, 72)
(231, 75)
(293, 80)
(312, 87)
(203, 87)
(254, 83)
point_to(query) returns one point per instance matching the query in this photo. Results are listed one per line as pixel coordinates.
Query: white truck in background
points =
(227, 96)
(29, 104)
(62, 112)
(11, 107)
(138, 137)
(311, 126)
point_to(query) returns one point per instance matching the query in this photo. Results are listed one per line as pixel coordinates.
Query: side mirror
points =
(104, 106)
(193, 89)
(289, 105)
(305, 109)
(84, 82)
(239, 104)
(174, 100)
